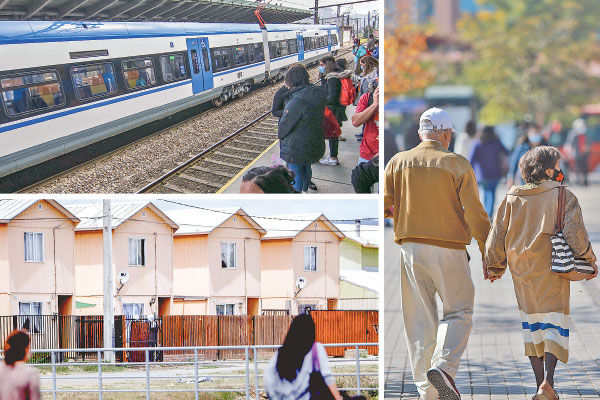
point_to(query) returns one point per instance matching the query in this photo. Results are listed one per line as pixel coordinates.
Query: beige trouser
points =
(427, 270)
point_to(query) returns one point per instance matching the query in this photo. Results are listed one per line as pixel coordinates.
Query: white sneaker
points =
(329, 161)
(443, 383)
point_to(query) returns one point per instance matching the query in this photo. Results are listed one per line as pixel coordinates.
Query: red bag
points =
(331, 128)
(348, 92)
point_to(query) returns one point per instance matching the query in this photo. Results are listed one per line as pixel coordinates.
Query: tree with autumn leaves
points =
(532, 57)
(405, 69)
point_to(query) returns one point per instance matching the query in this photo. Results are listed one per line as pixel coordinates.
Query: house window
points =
(225, 309)
(34, 247)
(133, 310)
(31, 316)
(228, 255)
(310, 258)
(137, 252)
(306, 308)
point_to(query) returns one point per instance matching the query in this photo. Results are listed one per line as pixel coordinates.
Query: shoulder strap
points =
(315, 357)
(561, 209)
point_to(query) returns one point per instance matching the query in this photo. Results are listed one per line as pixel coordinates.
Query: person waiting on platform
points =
(268, 180)
(300, 128)
(331, 80)
(367, 114)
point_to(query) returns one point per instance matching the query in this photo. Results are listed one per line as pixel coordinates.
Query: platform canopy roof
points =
(234, 11)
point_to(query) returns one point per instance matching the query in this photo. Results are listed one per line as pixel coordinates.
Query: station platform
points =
(327, 178)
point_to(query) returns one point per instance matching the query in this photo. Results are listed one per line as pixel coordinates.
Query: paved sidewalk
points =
(494, 365)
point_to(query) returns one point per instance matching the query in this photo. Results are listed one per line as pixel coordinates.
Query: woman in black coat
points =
(301, 126)
(331, 80)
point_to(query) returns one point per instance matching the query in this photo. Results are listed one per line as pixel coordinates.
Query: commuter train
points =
(65, 85)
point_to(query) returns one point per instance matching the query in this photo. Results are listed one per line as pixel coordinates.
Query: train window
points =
(307, 44)
(293, 46)
(334, 39)
(221, 59)
(239, 56)
(93, 80)
(173, 67)
(283, 45)
(205, 59)
(275, 49)
(138, 73)
(195, 61)
(31, 92)
(256, 52)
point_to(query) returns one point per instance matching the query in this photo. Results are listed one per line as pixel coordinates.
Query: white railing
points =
(250, 356)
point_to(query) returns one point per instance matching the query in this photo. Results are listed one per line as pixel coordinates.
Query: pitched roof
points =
(10, 209)
(363, 279)
(195, 221)
(369, 234)
(288, 226)
(91, 214)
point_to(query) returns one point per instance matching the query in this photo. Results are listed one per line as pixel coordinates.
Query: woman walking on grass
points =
(520, 237)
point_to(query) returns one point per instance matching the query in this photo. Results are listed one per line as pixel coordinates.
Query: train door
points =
(329, 40)
(300, 46)
(200, 64)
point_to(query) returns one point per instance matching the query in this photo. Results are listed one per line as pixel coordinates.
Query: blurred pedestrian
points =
(489, 161)
(465, 141)
(300, 129)
(369, 67)
(433, 198)
(520, 239)
(331, 80)
(527, 141)
(577, 143)
(268, 180)
(288, 374)
(18, 381)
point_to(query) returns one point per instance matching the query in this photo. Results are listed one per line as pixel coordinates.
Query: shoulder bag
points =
(317, 387)
(563, 261)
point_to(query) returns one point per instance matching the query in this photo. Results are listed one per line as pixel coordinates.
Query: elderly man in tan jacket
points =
(433, 197)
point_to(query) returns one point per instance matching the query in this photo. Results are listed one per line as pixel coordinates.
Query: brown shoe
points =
(342, 139)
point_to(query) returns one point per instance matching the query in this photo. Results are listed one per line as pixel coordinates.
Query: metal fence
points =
(150, 372)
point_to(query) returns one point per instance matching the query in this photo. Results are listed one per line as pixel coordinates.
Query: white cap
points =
(435, 119)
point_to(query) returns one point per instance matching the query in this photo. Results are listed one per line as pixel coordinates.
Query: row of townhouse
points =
(184, 262)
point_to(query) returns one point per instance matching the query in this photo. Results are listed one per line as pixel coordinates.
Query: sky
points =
(333, 209)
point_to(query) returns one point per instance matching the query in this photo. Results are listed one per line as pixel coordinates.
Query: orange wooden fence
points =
(347, 327)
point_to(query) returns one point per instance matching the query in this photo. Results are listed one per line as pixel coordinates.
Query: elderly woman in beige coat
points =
(520, 236)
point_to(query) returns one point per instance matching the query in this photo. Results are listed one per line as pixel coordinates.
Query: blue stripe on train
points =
(90, 106)
(542, 326)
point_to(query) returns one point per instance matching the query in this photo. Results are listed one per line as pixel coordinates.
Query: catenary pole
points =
(109, 318)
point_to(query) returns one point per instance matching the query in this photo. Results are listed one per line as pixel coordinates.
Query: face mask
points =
(321, 69)
(535, 138)
(558, 175)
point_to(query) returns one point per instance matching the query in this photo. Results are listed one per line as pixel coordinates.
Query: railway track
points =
(211, 170)
(206, 172)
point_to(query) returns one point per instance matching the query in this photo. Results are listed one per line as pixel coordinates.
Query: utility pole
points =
(316, 11)
(109, 318)
(339, 22)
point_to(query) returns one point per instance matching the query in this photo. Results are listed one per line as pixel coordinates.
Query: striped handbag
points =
(563, 261)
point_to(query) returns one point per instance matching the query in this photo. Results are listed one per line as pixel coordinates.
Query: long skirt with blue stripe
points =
(546, 333)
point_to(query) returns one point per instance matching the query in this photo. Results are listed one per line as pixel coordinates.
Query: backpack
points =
(348, 92)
